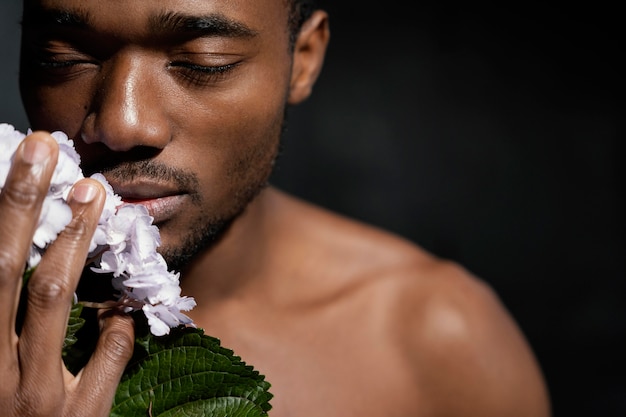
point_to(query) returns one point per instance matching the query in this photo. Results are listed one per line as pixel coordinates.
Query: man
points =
(181, 105)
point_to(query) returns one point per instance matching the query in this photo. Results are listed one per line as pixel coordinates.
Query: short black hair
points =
(299, 12)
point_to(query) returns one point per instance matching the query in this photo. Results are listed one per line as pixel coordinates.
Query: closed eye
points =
(59, 66)
(202, 75)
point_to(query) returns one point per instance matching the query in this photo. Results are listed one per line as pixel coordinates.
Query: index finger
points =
(53, 283)
(20, 205)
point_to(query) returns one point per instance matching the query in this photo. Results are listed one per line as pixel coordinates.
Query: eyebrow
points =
(55, 17)
(213, 24)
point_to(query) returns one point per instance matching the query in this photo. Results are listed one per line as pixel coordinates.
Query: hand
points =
(35, 381)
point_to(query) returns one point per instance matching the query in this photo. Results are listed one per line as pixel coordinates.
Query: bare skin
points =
(34, 379)
(342, 318)
(345, 320)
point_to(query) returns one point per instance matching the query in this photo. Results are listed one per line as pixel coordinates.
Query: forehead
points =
(141, 17)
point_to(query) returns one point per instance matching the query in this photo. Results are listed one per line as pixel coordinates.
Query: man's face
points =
(179, 103)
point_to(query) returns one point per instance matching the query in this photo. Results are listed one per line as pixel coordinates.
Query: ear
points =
(308, 56)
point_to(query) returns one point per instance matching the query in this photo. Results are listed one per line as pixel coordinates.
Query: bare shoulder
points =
(470, 355)
(466, 352)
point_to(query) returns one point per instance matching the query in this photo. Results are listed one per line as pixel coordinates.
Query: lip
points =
(160, 208)
(163, 201)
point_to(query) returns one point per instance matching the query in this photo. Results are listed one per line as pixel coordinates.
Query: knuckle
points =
(9, 265)
(117, 346)
(77, 229)
(21, 194)
(46, 289)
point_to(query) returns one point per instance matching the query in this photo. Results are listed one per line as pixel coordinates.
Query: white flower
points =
(34, 257)
(67, 170)
(9, 141)
(125, 239)
(112, 200)
(161, 318)
(111, 203)
(110, 263)
(133, 225)
(55, 215)
(156, 286)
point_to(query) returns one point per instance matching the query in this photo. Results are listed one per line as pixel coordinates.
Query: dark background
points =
(493, 137)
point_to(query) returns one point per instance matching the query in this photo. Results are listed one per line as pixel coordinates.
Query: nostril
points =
(121, 131)
(84, 137)
(87, 132)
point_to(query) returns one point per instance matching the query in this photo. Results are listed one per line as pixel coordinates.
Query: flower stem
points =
(106, 304)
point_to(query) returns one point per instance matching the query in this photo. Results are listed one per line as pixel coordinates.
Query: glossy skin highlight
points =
(184, 99)
(342, 318)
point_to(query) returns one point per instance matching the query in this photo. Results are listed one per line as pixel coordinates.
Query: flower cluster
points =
(124, 244)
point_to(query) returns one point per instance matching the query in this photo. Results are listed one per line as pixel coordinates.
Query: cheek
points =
(240, 129)
(237, 152)
(50, 108)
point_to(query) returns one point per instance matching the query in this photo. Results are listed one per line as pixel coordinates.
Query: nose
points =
(127, 110)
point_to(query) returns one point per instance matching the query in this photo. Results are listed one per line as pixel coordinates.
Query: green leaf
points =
(188, 373)
(216, 407)
(74, 324)
(183, 374)
(80, 337)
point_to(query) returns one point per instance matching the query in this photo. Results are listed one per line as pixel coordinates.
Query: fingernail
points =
(35, 151)
(84, 192)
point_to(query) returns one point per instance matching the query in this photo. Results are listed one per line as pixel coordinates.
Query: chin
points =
(180, 250)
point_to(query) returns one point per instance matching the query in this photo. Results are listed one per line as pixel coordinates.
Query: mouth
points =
(162, 201)
(160, 208)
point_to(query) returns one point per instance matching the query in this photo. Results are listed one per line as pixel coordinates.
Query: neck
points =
(234, 265)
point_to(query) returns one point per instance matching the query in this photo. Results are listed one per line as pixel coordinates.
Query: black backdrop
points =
(489, 136)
